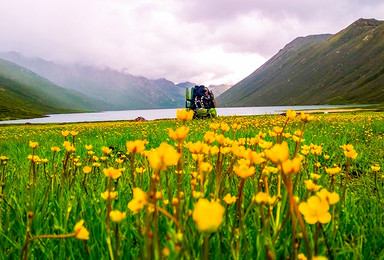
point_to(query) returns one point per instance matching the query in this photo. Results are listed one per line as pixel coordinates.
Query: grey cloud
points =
(192, 40)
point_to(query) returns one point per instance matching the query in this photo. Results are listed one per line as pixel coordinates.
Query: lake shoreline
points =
(167, 114)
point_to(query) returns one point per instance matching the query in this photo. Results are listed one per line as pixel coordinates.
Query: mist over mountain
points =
(25, 94)
(117, 89)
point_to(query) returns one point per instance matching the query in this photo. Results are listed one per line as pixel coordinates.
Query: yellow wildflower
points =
(35, 158)
(243, 169)
(214, 126)
(286, 135)
(162, 157)
(301, 256)
(311, 186)
(265, 145)
(195, 148)
(224, 127)
(112, 172)
(255, 157)
(140, 169)
(306, 118)
(74, 133)
(351, 154)
(180, 134)
(278, 153)
(205, 167)
(347, 147)
(315, 210)
(184, 115)
(315, 176)
(209, 137)
(137, 146)
(317, 149)
(277, 129)
(319, 258)
(139, 200)
(119, 161)
(263, 198)
(208, 215)
(291, 114)
(88, 147)
(55, 149)
(375, 168)
(213, 150)
(105, 195)
(117, 216)
(229, 199)
(334, 170)
(269, 169)
(236, 126)
(197, 194)
(330, 197)
(291, 166)
(87, 169)
(68, 147)
(296, 139)
(33, 145)
(65, 133)
(106, 150)
(80, 231)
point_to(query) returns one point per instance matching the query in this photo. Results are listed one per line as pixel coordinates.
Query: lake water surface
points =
(156, 114)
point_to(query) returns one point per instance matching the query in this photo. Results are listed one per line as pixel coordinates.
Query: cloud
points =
(216, 41)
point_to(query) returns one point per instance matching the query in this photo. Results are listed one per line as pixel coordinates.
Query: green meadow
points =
(255, 187)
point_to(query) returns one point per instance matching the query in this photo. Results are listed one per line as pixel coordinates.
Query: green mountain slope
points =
(118, 89)
(25, 94)
(345, 68)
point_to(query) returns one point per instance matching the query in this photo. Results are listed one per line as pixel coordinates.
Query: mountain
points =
(25, 94)
(186, 84)
(118, 89)
(345, 68)
(219, 89)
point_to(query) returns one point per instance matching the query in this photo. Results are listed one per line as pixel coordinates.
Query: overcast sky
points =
(203, 41)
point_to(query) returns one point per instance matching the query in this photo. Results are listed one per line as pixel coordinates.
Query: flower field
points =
(297, 186)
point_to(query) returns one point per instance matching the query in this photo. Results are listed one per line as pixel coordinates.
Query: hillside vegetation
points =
(25, 94)
(345, 68)
(118, 89)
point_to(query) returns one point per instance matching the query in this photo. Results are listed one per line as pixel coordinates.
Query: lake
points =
(153, 114)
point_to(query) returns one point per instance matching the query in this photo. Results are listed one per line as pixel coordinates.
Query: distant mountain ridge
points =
(117, 89)
(345, 68)
(219, 89)
(25, 94)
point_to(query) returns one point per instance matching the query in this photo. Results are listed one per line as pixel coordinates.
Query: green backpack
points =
(190, 94)
(203, 113)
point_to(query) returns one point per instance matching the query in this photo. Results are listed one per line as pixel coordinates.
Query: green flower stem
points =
(206, 246)
(299, 142)
(326, 242)
(345, 181)
(316, 250)
(132, 161)
(108, 220)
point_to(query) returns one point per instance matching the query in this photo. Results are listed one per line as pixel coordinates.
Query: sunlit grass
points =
(225, 188)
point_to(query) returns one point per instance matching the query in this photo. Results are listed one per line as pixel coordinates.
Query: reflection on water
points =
(154, 114)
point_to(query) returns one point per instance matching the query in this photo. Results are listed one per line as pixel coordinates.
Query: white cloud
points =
(216, 41)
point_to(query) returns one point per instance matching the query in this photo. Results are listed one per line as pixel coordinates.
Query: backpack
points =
(196, 100)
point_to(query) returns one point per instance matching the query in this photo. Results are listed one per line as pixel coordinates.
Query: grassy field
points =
(227, 188)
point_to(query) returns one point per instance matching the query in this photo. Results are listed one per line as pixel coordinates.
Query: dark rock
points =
(140, 119)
